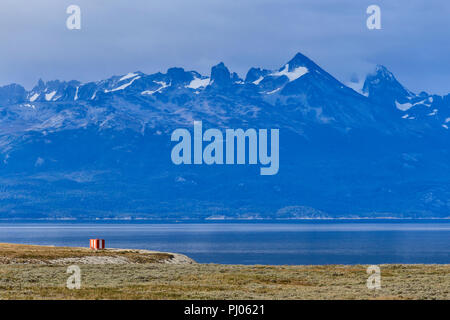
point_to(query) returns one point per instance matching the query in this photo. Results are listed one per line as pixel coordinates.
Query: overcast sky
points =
(119, 36)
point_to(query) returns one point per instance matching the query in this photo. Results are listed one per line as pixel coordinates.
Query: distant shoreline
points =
(227, 220)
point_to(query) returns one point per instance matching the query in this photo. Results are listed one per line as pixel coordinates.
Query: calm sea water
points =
(312, 242)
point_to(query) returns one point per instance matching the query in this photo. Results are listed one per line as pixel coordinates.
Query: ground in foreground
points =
(25, 274)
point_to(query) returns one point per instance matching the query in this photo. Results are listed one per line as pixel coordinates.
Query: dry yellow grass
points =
(211, 281)
(11, 253)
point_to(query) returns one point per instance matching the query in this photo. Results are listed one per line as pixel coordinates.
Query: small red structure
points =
(97, 244)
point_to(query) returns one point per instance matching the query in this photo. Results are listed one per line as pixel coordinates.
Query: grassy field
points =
(28, 254)
(29, 272)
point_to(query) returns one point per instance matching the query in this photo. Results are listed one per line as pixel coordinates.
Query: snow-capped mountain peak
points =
(300, 79)
(291, 73)
(110, 140)
(382, 85)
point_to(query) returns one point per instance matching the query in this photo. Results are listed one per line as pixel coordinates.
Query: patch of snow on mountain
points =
(49, 96)
(424, 102)
(128, 76)
(403, 106)
(292, 75)
(257, 81)
(161, 83)
(273, 91)
(34, 97)
(76, 94)
(433, 113)
(447, 120)
(122, 86)
(198, 83)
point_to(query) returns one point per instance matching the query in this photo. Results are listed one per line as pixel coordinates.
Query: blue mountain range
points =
(71, 150)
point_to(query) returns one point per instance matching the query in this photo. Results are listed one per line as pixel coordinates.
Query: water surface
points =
(306, 242)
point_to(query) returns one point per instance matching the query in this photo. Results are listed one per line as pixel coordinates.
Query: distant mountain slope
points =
(102, 149)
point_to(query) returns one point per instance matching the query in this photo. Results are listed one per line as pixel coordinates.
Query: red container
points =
(97, 244)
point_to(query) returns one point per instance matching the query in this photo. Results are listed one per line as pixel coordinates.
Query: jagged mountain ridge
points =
(300, 77)
(380, 151)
